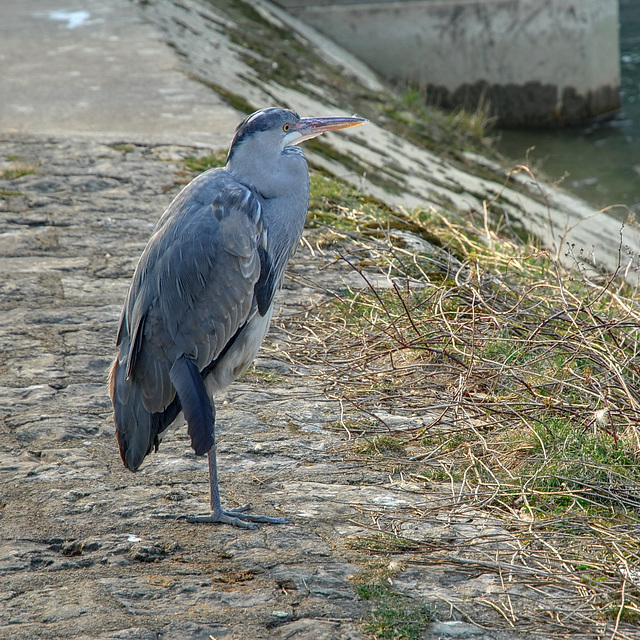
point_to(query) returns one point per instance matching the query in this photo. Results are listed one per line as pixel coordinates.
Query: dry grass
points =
(517, 382)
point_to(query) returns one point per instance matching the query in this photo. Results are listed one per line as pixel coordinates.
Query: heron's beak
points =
(307, 128)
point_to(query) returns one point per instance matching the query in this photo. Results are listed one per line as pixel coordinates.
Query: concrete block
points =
(529, 62)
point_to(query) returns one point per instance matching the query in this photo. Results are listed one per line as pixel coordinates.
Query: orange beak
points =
(308, 128)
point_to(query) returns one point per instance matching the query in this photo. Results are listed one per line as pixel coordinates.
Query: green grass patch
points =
(392, 614)
(203, 163)
(383, 544)
(122, 147)
(16, 172)
(380, 445)
(9, 193)
(233, 99)
(262, 376)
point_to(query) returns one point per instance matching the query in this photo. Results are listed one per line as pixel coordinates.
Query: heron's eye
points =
(286, 127)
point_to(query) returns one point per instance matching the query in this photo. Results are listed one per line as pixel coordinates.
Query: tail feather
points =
(132, 420)
(197, 407)
(137, 430)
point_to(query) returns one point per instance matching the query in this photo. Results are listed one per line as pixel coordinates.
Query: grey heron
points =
(202, 295)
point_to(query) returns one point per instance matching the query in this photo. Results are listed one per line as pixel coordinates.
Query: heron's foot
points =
(236, 517)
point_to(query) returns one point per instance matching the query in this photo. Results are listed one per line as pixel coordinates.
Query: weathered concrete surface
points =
(530, 62)
(86, 67)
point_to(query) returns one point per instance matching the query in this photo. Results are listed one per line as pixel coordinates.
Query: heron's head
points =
(264, 135)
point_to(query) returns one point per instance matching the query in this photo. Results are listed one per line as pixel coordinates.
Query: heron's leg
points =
(236, 517)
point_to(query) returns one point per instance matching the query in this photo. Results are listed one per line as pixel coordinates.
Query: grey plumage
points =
(201, 298)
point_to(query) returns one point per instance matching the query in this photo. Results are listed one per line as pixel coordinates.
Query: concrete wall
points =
(536, 62)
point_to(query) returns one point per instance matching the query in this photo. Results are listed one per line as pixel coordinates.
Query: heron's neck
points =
(282, 184)
(284, 217)
(272, 175)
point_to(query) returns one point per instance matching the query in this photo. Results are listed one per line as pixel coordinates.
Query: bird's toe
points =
(237, 518)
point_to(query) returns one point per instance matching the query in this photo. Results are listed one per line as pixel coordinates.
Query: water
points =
(601, 161)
